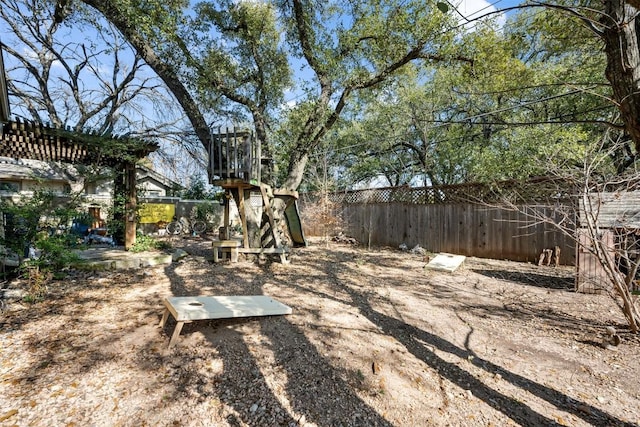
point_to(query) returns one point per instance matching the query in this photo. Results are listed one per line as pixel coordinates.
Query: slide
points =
(295, 225)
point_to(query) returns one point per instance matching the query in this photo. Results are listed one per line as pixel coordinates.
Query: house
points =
(22, 177)
(153, 184)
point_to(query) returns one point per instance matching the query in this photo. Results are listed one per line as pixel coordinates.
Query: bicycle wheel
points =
(174, 227)
(199, 227)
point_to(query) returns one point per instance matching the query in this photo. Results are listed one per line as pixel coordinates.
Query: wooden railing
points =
(234, 154)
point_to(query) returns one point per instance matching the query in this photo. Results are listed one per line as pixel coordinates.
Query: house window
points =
(90, 188)
(10, 186)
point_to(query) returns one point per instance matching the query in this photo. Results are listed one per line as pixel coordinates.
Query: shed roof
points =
(614, 209)
(144, 173)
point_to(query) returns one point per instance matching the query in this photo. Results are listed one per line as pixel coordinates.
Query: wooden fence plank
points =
(466, 229)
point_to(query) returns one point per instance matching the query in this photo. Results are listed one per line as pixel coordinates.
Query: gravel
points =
(374, 340)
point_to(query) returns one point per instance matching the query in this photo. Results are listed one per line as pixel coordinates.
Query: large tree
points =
(616, 23)
(231, 53)
(60, 76)
(530, 90)
(228, 57)
(620, 30)
(535, 89)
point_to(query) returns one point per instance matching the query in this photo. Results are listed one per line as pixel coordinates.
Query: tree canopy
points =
(229, 56)
(374, 91)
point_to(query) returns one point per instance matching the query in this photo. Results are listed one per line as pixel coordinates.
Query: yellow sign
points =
(151, 213)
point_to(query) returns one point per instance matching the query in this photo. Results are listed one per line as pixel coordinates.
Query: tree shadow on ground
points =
(530, 279)
(512, 308)
(418, 341)
(421, 343)
(312, 375)
(71, 346)
(246, 389)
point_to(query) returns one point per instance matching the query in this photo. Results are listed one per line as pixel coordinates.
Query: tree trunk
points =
(295, 173)
(266, 160)
(620, 22)
(114, 15)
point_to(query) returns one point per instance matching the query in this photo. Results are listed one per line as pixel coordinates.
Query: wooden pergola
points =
(36, 141)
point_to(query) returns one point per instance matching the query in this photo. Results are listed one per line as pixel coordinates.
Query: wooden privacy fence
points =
(440, 220)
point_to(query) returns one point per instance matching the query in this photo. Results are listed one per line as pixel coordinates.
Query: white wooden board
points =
(222, 307)
(446, 262)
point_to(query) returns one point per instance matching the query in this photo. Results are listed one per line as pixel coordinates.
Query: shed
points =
(154, 184)
(616, 218)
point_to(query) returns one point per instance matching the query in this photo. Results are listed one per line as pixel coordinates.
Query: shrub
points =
(37, 227)
(148, 243)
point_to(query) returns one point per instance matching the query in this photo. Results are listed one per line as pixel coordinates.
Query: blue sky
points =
(476, 8)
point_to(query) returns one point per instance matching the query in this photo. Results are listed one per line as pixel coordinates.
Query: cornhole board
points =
(445, 262)
(189, 309)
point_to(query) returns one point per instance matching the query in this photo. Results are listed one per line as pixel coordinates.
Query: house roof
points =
(144, 173)
(17, 169)
(4, 94)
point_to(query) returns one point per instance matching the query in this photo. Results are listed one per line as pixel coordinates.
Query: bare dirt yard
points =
(374, 340)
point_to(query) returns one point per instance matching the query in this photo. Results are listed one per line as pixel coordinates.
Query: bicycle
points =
(182, 226)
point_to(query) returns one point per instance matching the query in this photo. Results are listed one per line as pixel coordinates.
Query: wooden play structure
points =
(269, 218)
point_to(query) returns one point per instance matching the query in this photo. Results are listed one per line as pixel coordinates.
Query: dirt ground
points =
(374, 340)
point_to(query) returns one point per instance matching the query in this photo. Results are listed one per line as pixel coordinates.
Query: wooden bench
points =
(223, 247)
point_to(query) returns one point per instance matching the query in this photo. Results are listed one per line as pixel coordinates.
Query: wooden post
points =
(228, 155)
(227, 201)
(131, 204)
(119, 192)
(219, 145)
(212, 162)
(270, 215)
(242, 210)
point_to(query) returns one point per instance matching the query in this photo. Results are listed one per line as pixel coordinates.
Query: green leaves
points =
(443, 7)
(440, 103)
(511, 112)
